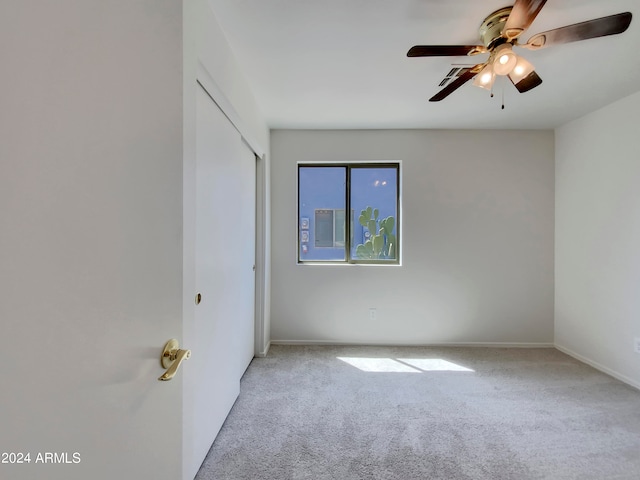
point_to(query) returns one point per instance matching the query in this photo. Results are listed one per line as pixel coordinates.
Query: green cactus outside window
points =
(382, 241)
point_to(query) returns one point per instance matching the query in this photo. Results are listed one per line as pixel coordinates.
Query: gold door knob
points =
(171, 359)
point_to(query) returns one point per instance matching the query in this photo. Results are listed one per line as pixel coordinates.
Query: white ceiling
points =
(343, 63)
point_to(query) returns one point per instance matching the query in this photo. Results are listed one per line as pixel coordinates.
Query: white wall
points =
(209, 59)
(597, 310)
(478, 233)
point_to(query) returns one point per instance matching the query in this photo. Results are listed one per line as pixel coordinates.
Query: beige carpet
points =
(347, 413)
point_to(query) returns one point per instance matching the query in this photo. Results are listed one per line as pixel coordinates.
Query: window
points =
(369, 191)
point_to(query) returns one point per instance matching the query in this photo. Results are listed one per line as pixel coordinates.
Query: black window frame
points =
(349, 260)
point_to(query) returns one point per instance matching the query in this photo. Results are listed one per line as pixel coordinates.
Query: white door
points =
(91, 161)
(244, 281)
(222, 334)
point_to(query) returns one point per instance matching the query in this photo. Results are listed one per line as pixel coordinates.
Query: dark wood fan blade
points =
(521, 17)
(598, 27)
(529, 82)
(443, 50)
(456, 84)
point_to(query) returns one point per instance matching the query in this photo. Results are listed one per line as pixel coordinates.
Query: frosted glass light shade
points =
(521, 70)
(485, 78)
(504, 60)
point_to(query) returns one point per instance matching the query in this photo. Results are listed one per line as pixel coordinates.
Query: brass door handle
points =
(172, 358)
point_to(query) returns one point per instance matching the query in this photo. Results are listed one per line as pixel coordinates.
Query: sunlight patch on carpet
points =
(403, 365)
(434, 365)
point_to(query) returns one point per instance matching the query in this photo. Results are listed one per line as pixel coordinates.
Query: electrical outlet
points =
(372, 313)
(636, 344)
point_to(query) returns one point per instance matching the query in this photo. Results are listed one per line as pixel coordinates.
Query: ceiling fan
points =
(499, 33)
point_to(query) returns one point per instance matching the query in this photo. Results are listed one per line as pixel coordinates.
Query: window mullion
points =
(347, 215)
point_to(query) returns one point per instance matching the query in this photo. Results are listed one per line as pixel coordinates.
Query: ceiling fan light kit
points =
(485, 78)
(504, 60)
(523, 76)
(499, 33)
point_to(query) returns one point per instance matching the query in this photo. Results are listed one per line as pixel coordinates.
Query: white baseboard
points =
(598, 366)
(264, 353)
(444, 344)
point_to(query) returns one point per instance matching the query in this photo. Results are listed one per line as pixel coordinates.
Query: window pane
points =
(374, 198)
(321, 192)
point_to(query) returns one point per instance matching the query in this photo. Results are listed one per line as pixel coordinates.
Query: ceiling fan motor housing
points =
(492, 26)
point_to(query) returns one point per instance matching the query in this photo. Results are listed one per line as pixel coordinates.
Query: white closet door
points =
(245, 280)
(223, 334)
